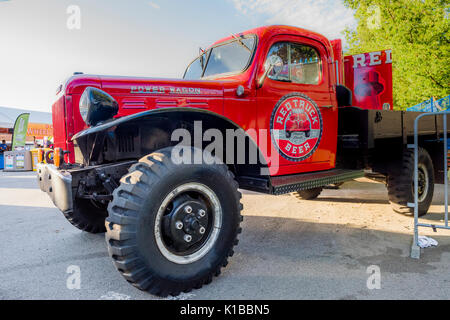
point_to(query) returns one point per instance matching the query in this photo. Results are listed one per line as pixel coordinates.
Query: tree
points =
(417, 31)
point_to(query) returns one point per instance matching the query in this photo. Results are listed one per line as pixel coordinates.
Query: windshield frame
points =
(232, 73)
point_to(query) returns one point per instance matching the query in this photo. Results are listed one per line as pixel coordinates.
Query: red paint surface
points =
(371, 84)
(338, 59)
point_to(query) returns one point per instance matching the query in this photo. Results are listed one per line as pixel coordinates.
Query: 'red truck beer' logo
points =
(296, 126)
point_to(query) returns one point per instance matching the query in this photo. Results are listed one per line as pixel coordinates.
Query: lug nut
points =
(202, 230)
(179, 225)
(201, 213)
(188, 209)
(187, 238)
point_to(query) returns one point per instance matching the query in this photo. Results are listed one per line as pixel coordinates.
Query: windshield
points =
(229, 57)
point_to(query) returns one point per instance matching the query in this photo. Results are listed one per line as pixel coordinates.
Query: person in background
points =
(3, 146)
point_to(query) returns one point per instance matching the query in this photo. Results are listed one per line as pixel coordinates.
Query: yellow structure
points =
(34, 156)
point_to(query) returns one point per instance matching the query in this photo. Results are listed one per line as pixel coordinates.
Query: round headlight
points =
(97, 106)
(83, 106)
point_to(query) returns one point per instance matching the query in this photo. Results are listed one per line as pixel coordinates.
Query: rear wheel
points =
(172, 227)
(400, 183)
(87, 215)
(309, 194)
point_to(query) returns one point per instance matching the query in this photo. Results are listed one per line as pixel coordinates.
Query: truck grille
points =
(125, 143)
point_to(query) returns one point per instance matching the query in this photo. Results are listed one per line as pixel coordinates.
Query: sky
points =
(42, 42)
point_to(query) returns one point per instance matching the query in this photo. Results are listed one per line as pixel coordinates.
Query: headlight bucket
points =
(97, 106)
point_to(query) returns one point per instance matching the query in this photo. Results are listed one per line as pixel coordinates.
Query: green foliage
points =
(417, 31)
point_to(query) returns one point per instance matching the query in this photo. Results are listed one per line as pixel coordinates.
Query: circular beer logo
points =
(296, 126)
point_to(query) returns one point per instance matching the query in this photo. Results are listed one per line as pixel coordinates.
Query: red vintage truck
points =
(158, 163)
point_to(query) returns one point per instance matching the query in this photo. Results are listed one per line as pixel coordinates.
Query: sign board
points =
(39, 130)
(369, 77)
(9, 162)
(442, 104)
(20, 131)
(431, 105)
(20, 161)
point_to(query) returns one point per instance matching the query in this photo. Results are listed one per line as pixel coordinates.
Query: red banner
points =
(369, 76)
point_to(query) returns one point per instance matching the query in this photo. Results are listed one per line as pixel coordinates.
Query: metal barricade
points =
(415, 249)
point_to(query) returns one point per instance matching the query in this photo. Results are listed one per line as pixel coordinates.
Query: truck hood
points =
(161, 87)
(141, 94)
(142, 85)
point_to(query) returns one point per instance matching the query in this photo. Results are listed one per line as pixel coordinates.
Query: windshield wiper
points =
(201, 54)
(239, 40)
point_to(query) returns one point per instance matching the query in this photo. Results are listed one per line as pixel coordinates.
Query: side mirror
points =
(273, 63)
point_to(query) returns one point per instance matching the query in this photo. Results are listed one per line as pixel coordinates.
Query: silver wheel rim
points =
(216, 224)
(423, 170)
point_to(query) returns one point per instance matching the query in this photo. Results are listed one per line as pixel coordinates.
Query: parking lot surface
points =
(289, 249)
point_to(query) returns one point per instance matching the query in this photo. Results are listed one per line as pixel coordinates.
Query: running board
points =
(305, 181)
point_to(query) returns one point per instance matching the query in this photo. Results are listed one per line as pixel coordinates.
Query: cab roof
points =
(267, 32)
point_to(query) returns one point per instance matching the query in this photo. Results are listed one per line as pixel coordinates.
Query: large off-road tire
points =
(400, 183)
(87, 216)
(309, 194)
(157, 207)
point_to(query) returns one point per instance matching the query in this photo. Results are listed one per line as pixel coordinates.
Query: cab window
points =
(301, 63)
(224, 58)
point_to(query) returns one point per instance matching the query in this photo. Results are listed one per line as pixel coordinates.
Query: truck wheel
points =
(87, 215)
(400, 183)
(309, 194)
(172, 227)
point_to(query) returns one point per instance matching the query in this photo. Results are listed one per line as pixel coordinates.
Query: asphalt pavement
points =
(348, 244)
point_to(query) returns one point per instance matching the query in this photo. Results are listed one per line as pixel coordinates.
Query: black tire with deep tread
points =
(86, 216)
(130, 236)
(309, 194)
(400, 182)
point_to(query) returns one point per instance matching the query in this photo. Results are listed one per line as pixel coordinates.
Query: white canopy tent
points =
(8, 116)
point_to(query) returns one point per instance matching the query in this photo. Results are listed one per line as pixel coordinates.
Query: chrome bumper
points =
(57, 184)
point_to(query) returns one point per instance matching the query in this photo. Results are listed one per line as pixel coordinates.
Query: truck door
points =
(296, 108)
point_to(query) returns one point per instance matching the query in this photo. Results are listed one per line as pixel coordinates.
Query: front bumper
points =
(57, 184)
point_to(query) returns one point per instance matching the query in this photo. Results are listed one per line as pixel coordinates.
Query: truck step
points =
(305, 181)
